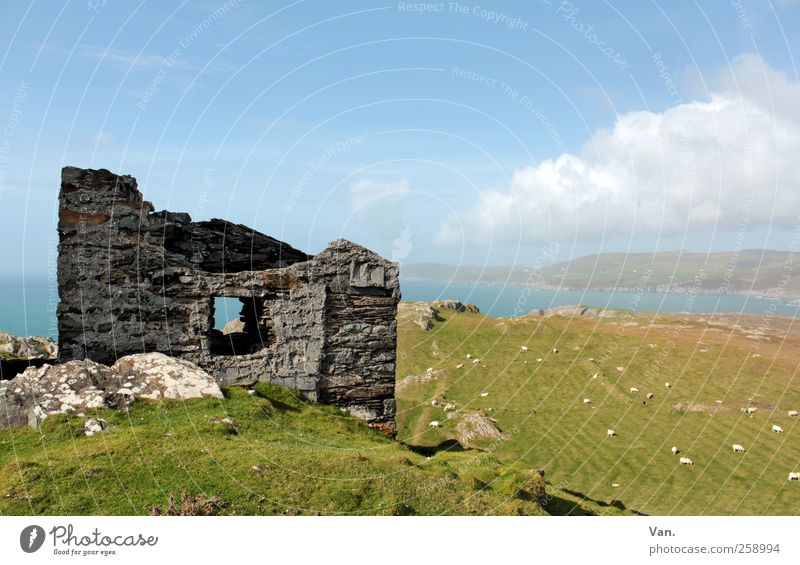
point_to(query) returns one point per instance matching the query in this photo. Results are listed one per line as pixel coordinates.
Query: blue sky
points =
(453, 132)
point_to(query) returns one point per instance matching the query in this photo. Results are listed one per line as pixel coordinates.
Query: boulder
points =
(475, 427)
(155, 375)
(94, 426)
(79, 386)
(37, 393)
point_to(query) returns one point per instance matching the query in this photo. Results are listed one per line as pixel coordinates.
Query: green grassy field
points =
(286, 456)
(540, 406)
(280, 456)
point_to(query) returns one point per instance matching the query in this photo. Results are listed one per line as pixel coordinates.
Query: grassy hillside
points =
(279, 456)
(757, 271)
(539, 406)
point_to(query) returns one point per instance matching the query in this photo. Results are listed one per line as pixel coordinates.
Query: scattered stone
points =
(94, 426)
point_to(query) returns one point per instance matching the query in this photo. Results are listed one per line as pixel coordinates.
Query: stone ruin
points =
(134, 280)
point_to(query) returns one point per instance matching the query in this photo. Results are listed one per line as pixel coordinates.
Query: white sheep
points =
(610, 433)
(777, 429)
(449, 407)
(620, 369)
(650, 395)
(469, 355)
(587, 400)
(429, 370)
(434, 424)
(675, 450)
(539, 360)
(794, 413)
(595, 376)
(476, 361)
(685, 461)
(738, 448)
(460, 366)
(667, 385)
(794, 476)
(434, 402)
(524, 348)
(484, 394)
(751, 410)
(634, 390)
(555, 350)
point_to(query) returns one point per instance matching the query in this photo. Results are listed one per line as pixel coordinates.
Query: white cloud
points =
(368, 194)
(693, 166)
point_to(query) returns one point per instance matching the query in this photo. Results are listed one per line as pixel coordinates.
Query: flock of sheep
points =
(737, 448)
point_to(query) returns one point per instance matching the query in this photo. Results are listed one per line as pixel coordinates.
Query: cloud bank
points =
(699, 165)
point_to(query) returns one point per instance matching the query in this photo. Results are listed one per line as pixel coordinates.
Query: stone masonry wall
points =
(133, 280)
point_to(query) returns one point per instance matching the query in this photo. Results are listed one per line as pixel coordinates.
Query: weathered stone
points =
(142, 281)
(424, 314)
(32, 347)
(77, 386)
(475, 427)
(154, 376)
(94, 426)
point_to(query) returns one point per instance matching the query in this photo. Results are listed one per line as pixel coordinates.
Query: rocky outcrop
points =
(233, 327)
(424, 314)
(573, 310)
(79, 386)
(455, 306)
(132, 279)
(32, 347)
(421, 313)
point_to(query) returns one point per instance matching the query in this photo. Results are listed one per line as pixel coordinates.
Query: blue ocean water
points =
(502, 301)
(28, 307)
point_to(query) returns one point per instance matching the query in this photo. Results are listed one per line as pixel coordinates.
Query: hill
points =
(270, 453)
(759, 272)
(716, 368)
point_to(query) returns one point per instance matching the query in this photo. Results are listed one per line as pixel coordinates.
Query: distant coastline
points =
(654, 289)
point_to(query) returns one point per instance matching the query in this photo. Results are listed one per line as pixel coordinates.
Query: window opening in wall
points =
(237, 325)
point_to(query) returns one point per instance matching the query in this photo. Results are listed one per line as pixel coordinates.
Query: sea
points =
(28, 307)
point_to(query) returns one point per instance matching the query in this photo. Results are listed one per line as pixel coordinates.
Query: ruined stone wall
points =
(133, 280)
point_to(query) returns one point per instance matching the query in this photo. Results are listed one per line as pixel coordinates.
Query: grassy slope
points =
(311, 459)
(540, 405)
(750, 269)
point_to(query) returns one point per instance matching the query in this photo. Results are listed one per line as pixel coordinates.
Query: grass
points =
(540, 406)
(286, 456)
(280, 456)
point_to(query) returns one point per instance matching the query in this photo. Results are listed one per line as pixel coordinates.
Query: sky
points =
(475, 133)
